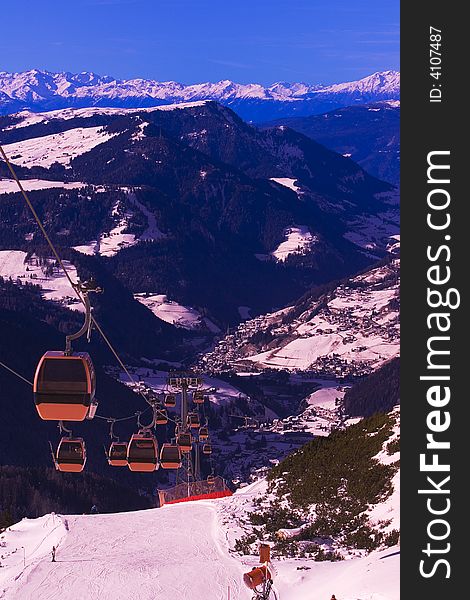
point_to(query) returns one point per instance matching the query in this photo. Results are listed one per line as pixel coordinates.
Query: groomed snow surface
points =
(174, 552)
(178, 552)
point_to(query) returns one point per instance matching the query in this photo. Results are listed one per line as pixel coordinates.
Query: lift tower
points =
(185, 381)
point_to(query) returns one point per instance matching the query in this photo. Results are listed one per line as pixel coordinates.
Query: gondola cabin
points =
(203, 433)
(193, 421)
(64, 387)
(210, 480)
(170, 456)
(170, 401)
(198, 397)
(71, 455)
(184, 441)
(207, 449)
(117, 454)
(142, 452)
(161, 417)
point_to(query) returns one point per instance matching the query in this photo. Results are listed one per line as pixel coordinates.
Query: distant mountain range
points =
(38, 90)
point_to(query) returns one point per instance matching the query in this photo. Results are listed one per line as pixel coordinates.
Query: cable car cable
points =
(13, 372)
(2, 364)
(61, 264)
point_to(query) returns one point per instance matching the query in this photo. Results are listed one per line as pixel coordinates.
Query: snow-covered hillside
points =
(15, 264)
(56, 148)
(179, 551)
(349, 331)
(176, 551)
(174, 313)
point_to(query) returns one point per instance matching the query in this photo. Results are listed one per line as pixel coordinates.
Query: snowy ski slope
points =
(178, 552)
(175, 552)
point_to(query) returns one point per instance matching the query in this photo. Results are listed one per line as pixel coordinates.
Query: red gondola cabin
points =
(184, 441)
(64, 387)
(170, 456)
(142, 452)
(71, 455)
(117, 454)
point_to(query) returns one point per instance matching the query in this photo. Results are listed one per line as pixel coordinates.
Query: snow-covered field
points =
(351, 330)
(170, 311)
(54, 287)
(174, 313)
(57, 147)
(358, 325)
(8, 186)
(179, 552)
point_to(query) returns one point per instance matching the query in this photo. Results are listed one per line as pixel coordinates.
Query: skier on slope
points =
(53, 554)
(333, 597)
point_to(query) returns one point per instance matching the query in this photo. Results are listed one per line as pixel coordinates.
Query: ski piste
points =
(180, 551)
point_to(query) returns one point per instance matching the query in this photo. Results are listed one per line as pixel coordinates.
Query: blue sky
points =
(316, 41)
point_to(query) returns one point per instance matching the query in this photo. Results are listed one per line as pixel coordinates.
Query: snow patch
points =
(298, 240)
(286, 182)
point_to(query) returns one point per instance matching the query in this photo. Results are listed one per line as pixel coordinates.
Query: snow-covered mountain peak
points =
(39, 90)
(385, 82)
